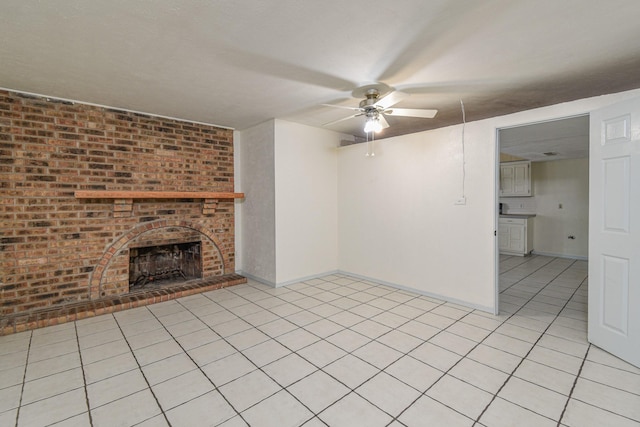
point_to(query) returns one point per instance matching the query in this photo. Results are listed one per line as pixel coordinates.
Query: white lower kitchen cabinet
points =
(515, 236)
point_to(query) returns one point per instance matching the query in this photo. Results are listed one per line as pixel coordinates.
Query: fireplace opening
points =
(164, 265)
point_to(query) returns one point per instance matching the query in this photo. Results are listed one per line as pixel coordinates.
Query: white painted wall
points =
(306, 177)
(566, 183)
(517, 205)
(255, 215)
(397, 218)
(397, 221)
(286, 228)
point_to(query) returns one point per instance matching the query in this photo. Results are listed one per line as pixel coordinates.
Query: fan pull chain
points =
(370, 147)
(464, 122)
(367, 154)
(373, 138)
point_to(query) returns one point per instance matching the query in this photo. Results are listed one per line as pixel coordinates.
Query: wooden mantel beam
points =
(106, 194)
(123, 200)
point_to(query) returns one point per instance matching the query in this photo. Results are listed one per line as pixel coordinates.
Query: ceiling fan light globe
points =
(372, 125)
(368, 126)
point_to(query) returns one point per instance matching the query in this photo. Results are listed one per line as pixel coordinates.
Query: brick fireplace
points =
(164, 265)
(84, 186)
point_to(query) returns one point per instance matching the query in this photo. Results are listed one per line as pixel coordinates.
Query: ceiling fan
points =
(377, 103)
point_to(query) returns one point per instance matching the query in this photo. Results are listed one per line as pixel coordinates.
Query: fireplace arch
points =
(110, 276)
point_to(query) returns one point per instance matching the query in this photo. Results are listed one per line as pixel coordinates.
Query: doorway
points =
(542, 234)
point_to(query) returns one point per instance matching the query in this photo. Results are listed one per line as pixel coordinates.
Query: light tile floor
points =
(334, 351)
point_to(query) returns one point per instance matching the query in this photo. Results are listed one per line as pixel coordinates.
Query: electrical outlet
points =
(461, 201)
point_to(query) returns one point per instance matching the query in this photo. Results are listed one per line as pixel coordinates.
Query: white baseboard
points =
(256, 278)
(370, 279)
(288, 282)
(420, 292)
(304, 279)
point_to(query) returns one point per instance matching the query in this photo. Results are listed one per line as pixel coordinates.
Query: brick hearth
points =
(81, 310)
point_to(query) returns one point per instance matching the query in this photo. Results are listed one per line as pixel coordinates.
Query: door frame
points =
(497, 195)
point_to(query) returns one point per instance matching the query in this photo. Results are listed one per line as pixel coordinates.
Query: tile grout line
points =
(573, 386)
(535, 305)
(24, 377)
(142, 372)
(537, 269)
(584, 361)
(349, 328)
(382, 370)
(477, 421)
(24, 382)
(347, 353)
(475, 346)
(320, 338)
(198, 367)
(524, 262)
(351, 390)
(84, 376)
(444, 373)
(299, 327)
(442, 303)
(241, 352)
(324, 317)
(528, 262)
(345, 328)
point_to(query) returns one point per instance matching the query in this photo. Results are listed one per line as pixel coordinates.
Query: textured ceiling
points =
(239, 63)
(560, 139)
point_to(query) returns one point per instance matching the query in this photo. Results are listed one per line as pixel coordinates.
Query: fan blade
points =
(392, 99)
(341, 106)
(342, 119)
(412, 112)
(383, 122)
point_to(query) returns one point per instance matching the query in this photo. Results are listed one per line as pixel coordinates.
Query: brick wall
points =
(57, 249)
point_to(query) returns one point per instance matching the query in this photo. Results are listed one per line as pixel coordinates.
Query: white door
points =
(614, 230)
(503, 237)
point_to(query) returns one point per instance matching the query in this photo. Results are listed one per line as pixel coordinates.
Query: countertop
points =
(518, 215)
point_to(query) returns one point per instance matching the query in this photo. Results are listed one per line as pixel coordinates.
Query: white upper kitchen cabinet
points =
(515, 179)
